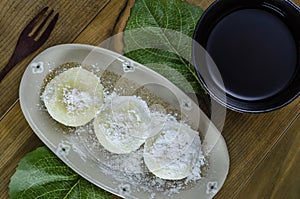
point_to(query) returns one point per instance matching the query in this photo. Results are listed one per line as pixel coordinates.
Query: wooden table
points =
(264, 148)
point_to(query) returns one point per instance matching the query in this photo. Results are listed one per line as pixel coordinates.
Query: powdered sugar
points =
(70, 99)
(118, 163)
(76, 100)
(130, 169)
(120, 122)
(173, 152)
(176, 150)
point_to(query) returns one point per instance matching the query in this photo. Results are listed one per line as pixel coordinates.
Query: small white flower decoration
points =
(37, 68)
(127, 67)
(212, 187)
(63, 149)
(124, 189)
(186, 104)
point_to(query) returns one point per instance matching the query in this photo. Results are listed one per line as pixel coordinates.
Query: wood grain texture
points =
(278, 174)
(17, 139)
(116, 43)
(200, 3)
(263, 148)
(103, 26)
(14, 17)
(249, 139)
(296, 2)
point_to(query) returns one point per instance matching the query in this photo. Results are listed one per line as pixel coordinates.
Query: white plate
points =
(75, 149)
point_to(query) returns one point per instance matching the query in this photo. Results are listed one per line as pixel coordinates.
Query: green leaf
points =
(41, 174)
(158, 34)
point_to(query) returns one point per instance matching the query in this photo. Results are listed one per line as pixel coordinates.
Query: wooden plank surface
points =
(277, 176)
(15, 15)
(249, 139)
(264, 155)
(103, 26)
(16, 140)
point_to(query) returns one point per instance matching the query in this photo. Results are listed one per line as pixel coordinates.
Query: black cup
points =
(255, 45)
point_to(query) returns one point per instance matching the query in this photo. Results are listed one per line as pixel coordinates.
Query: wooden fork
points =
(29, 40)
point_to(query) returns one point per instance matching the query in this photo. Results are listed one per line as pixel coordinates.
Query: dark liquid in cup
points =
(255, 53)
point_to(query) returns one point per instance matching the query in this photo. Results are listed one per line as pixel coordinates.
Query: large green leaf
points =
(158, 34)
(41, 174)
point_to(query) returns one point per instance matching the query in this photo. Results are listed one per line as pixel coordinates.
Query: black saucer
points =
(255, 46)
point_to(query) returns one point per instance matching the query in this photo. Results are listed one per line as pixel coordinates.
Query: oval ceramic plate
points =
(78, 148)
